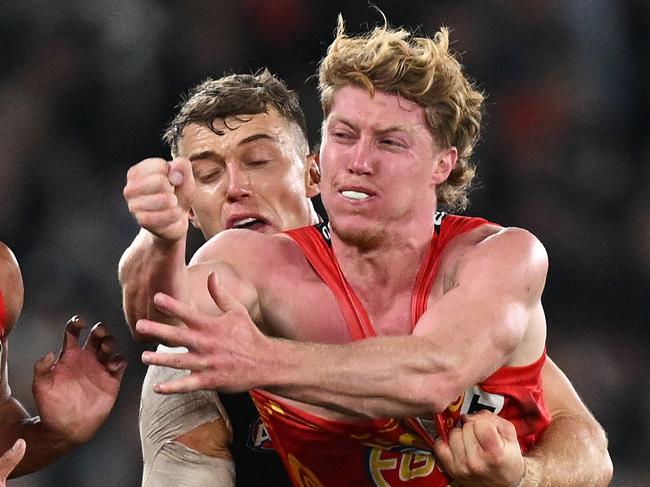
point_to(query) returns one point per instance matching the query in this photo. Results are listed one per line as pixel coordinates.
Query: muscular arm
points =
(484, 451)
(159, 196)
(485, 315)
(573, 449)
(490, 317)
(149, 265)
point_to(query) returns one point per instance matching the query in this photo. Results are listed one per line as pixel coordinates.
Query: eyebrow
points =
(392, 128)
(254, 137)
(206, 154)
(210, 154)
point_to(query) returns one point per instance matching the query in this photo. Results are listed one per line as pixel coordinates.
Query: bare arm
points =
(155, 261)
(498, 290)
(573, 449)
(150, 265)
(484, 451)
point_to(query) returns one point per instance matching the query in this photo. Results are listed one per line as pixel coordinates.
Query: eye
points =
(341, 135)
(393, 142)
(208, 176)
(257, 162)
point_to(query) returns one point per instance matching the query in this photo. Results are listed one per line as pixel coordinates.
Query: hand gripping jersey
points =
(319, 452)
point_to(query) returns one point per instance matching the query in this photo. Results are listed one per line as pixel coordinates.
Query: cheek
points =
(207, 204)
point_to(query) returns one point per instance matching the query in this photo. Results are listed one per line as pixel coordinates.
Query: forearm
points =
(43, 445)
(552, 463)
(148, 266)
(384, 376)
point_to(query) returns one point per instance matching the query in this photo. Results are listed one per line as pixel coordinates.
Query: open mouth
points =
(249, 223)
(355, 195)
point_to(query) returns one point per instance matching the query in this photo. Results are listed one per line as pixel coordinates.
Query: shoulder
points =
(507, 257)
(515, 246)
(491, 240)
(11, 284)
(229, 246)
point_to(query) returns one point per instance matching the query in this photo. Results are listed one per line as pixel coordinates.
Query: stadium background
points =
(86, 87)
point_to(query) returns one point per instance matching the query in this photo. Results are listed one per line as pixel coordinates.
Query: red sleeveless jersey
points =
(391, 452)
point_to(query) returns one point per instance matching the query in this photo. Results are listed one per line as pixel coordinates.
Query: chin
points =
(365, 237)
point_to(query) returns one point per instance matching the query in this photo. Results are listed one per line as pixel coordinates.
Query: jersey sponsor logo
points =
(476, 399)
(387, 468)
(258, 437)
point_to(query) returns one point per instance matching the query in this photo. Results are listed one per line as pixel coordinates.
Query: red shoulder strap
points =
(314, 243)
(447, 227)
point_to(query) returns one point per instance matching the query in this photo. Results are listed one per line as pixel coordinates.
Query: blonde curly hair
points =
(419, 69)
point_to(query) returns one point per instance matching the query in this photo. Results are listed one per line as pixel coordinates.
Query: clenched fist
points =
(159, 194)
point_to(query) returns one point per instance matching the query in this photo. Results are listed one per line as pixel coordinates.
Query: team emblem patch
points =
(258, 437)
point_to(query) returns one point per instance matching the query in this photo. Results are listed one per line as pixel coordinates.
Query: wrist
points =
(280, 371)
(44, 434)
(166, 244)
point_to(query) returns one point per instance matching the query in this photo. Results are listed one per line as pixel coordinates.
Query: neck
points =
(388, 267)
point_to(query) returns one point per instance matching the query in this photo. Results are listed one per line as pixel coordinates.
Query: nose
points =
(238, 186)
(360, 161)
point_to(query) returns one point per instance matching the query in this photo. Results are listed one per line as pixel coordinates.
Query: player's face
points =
(380, 164)
(255, 176)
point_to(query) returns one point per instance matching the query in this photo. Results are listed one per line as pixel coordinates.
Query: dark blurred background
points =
(86, 87)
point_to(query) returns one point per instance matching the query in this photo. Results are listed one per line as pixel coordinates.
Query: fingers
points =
(44, 364)
(192, 382)
(180, 168)
(155, 202)
(180, 176)
(470, 441)
(11, 458)
(116, 366)
(105, 351)
(491, 430)
(220, 296)
(487, 436)
(184, 361)
(71, 334)
(444, 455)
(173, 336)
(174, 308)
(457, 446)
(96, 338)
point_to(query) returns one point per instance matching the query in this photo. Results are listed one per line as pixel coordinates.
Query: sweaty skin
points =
(256, 174)
(319, 389)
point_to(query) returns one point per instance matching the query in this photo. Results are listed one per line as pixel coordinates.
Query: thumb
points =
(44, 364)
(181, 177)
(11, 458)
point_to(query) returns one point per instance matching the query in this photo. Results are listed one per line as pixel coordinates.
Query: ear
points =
(312, 175)
(194, 220)
(445, 162)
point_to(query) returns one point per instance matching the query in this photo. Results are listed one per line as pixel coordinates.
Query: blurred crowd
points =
(86, 87)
